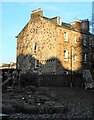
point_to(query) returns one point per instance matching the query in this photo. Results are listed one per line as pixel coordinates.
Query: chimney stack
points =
(38, 12)
(85, 25)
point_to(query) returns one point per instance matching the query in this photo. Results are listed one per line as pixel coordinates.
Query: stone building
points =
(53, 50)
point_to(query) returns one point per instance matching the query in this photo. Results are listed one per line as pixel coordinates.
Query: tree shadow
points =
(49, 73)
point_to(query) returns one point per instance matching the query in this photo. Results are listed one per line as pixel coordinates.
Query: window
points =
(74, 57)
(75, 39)
(36, 64)
(66, 54)
(93, 56)
(90, 40)
(85, 57)
(66, 36)
(66, 72)
(35, 46)
(84, 42)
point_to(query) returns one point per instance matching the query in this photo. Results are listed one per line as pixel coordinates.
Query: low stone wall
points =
(52, 80)
(59, 80)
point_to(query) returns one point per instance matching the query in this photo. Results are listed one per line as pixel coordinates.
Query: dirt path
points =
(80, 102)
(45, 103)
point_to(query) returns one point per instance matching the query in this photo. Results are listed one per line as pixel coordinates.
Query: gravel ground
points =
(73, 103)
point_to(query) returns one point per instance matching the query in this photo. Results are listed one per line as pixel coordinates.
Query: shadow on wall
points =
(50, 73)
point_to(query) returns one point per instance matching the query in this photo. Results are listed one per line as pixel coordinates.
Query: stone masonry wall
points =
(43, 32)
(50, 45)
(74, 48)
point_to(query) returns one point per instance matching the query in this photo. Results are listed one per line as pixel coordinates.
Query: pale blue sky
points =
(15, 16)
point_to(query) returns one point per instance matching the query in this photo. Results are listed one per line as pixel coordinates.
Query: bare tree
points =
(92, 19)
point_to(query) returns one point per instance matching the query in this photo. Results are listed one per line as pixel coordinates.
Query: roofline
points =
(58, 26)
(21, 30)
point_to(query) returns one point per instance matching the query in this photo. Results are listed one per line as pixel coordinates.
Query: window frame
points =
(75, 39)
(85, 57)
(35, 46)
(36, 64)
(65, 36)
(75, 57)
(66, 54)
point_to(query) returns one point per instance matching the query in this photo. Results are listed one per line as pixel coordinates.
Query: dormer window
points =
(59, 22)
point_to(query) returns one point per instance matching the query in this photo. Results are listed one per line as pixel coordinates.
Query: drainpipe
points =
(71, 85)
